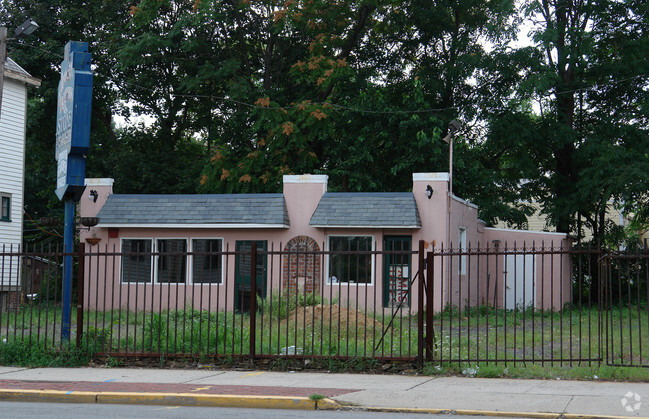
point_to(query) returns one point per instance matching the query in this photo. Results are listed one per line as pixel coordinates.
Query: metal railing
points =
(526, 304)
(295, 310)
(626, 311)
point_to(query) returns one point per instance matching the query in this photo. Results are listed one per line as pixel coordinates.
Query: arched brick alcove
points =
(301, 270)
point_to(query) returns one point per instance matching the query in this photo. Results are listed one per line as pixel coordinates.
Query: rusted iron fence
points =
(30, 294)
(250, 302)
(626, 311)
(524, 304)
(532, 303)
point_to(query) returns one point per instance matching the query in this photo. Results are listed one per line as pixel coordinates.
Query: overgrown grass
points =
(523, 340)
(20, 352)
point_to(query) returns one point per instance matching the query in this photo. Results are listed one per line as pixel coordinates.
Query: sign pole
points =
(68, 248)
(72, 144)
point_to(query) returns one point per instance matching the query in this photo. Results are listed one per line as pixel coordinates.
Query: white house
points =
(13, 118)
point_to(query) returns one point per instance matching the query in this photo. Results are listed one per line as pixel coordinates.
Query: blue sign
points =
(73, 119)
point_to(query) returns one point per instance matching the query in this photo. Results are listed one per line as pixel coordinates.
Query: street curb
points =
(495, 413)
(167, 399)
(255, 402)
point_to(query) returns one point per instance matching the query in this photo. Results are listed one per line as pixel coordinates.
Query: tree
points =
(242, 92)
(60, 21)
(391, 76)
(588, 87)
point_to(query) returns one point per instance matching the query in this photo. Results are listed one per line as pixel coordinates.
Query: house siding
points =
(12, 158)
(539, 221)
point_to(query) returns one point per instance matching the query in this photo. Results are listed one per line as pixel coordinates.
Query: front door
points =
(396, 274)
(242, 274)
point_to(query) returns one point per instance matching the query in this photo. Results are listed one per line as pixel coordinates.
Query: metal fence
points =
(31, 294)
(626, 314)
(526, 304)
(249, 302)
(518, 305)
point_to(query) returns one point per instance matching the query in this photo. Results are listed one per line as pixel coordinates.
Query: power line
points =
(39, 227)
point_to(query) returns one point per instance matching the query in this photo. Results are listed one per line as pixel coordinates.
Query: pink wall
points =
(552, 270)
(434, 215)
(478, 281)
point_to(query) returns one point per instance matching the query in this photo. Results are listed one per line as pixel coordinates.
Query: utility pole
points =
(453, 127)
(3, 58)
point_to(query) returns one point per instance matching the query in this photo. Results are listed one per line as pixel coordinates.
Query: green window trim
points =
(5, 207)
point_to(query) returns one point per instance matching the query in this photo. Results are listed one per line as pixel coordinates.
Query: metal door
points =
(397, 271)
(242, 273)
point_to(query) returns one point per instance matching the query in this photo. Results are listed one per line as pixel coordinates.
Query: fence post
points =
(81, 255)
(603, 303)
(430, 283)
(253, 298)
(420, 306)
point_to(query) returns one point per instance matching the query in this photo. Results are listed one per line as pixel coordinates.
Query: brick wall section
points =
(14, 300)
(301, 271)
(10, 300)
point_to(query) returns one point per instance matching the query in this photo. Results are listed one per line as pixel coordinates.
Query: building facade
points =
(13, 120)
(164, 244)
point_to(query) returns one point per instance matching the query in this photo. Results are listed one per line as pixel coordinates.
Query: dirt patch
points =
(334, 317)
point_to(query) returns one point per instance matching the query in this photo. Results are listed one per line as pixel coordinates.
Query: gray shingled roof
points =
(253, 209)
(367, 209)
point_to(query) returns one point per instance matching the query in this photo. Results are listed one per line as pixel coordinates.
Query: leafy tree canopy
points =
(241, 92)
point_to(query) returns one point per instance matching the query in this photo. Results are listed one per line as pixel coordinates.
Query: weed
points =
(279, 305)
(37, 354)
(112, 362)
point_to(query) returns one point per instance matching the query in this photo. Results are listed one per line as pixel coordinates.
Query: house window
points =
(5, 207)
(172, 260)
(462, 242)
(207, 261)
(351, 268)
(136, 260)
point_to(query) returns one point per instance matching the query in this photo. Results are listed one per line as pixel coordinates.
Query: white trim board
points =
(187, 226)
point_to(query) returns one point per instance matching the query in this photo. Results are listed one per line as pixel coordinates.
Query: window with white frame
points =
(5, 207)
(462, 242)
(172, 260)
(136, 260)
(207, 261)
(350, 260)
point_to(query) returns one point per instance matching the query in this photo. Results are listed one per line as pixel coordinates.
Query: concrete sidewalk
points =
(459, 395)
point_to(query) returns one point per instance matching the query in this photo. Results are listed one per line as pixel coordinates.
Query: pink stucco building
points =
(160, 249)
